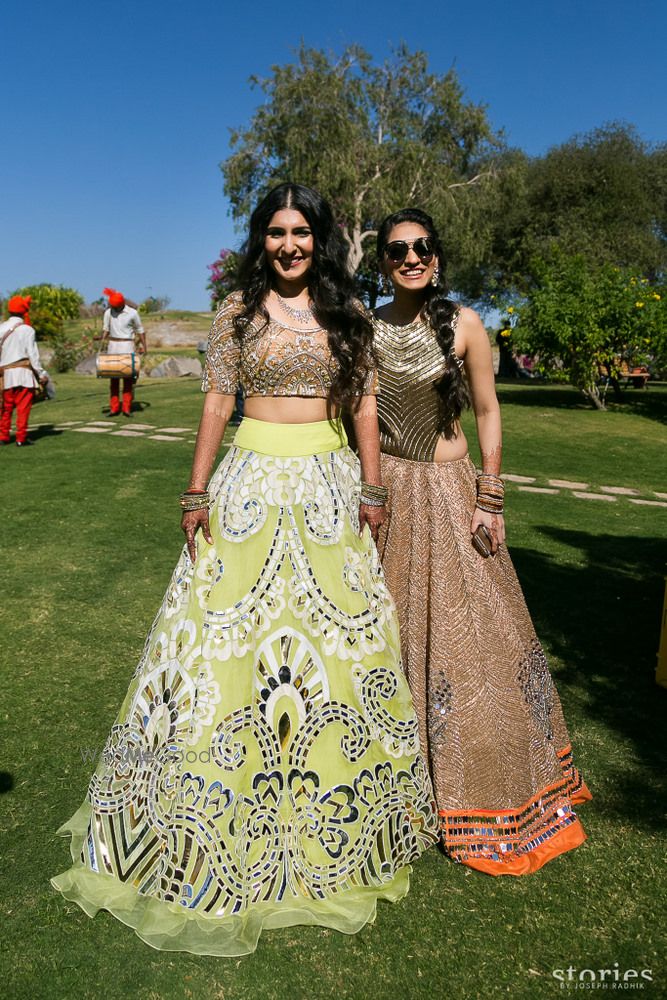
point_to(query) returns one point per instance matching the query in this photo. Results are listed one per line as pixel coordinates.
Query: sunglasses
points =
(398, 250)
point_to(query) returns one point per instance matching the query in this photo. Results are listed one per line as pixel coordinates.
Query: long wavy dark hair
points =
(438, 311)
(330, 285)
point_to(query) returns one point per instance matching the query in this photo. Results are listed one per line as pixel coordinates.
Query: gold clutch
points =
(481, 540)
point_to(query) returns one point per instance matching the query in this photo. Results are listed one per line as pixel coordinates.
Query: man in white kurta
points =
(22, 370)
(120, 328)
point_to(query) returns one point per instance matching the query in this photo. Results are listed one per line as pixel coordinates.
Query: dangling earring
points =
(435, 277)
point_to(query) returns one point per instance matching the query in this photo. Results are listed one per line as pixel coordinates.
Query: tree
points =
(602, 195)
(63, 303)
(154, 304)
(373, 139)
(582, 318)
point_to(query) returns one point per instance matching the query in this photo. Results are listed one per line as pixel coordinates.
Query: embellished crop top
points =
(411, 362)
(271, 359)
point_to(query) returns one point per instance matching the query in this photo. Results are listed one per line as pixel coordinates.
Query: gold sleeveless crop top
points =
(271, 359)
(411, 362)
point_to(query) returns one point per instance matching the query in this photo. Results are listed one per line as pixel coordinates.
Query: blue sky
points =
(116, 115)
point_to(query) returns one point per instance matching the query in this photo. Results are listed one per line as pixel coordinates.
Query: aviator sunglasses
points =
(398, 250)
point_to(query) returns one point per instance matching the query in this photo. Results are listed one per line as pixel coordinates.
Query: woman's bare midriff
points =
(452, 449)
(287, 409)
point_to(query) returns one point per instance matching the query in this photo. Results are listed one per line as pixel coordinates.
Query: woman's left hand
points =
(494, 523)
(374, 517)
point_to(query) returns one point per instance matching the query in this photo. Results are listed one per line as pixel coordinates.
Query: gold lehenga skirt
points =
(489, 713)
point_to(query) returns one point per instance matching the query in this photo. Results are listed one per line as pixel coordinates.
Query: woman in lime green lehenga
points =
(264, 768)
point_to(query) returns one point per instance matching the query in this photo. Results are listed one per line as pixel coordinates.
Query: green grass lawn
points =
(89, 539)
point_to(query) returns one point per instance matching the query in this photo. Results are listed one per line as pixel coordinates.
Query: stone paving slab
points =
(174, 430)
(650, 503)
(143, 427)
(102, 423)
(567, 485)
(127, 434)
(536, 489)
(517, 479)
(663, 496)
(91, 430)
(621, 491)
(164, 437)
(594, 496)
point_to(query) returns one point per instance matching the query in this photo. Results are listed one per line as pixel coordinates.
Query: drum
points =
(118, 365)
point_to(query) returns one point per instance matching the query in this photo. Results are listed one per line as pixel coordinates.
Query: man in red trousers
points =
(121, 325)
(21, 368)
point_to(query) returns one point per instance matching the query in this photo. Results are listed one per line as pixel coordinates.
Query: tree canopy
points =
(584, 319)
(373, 138)
(64, 303)
(602, 195)
(378, 137)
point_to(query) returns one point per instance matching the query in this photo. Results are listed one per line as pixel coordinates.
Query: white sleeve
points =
(105, 321)
(33, 353)
(136, 321)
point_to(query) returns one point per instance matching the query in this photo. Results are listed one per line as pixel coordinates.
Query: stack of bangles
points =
(194, 500)
(490, 493)
(374, 496)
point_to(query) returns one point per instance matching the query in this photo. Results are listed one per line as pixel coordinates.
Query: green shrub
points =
(48, 325)
(154, 304)
(68, 352)
(58, 300)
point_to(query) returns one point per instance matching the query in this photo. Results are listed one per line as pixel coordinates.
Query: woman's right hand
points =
(191, 521)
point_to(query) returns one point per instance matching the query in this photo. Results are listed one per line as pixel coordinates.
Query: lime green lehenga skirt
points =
(264, 768)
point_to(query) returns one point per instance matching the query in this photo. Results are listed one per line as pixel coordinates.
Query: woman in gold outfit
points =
(490, 716)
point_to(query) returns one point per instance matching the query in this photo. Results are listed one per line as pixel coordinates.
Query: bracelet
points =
(489, 508)
(490, 484)
(375, 492)
(194, 500)
(371, 502)
(189, 507)
(490, 493)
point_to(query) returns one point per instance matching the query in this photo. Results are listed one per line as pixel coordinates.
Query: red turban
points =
(116, 299)
(20, 304)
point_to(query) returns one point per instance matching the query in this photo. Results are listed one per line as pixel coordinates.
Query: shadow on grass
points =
(44, 431)
(138, 406)
(6, 782)
(513, 392)
(650, 403)
(602, 621)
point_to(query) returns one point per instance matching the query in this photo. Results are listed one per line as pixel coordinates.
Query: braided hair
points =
(330, 284)
(439, 311)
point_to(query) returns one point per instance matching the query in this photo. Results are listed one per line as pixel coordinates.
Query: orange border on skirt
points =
(520, 841)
